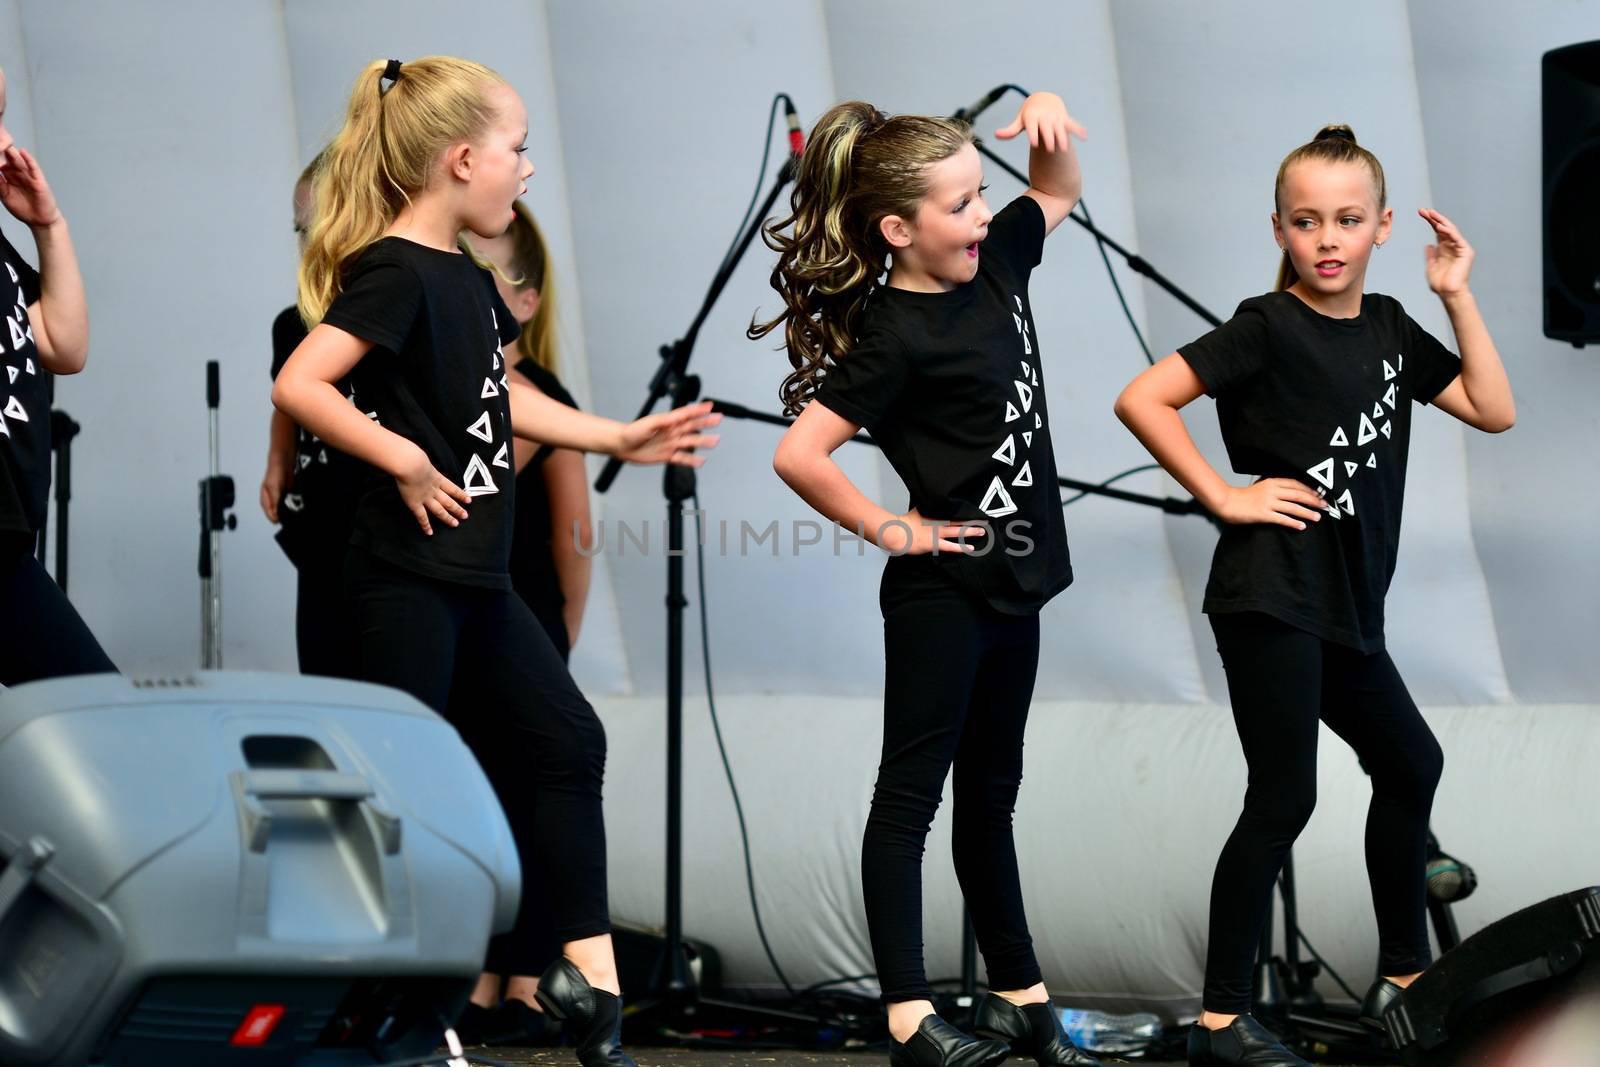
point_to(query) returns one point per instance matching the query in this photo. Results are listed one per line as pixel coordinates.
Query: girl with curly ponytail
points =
(905, 311)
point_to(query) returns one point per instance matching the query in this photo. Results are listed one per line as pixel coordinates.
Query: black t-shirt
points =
(435, 375)
(318, 504)
(25, 418)
(949, 385)
(533, 567)
(1327, 402)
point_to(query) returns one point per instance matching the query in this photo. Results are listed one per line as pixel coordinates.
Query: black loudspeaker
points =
(1527, 959)
(1571, 94)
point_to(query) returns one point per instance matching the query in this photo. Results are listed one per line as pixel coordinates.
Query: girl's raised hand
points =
(1279, 501)
(24, 191)
(1449, 261)
(1044, 118)
(670, 437)
(427, 492)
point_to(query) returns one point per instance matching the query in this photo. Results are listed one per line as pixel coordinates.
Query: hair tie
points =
(391, 74)
(1336, 133)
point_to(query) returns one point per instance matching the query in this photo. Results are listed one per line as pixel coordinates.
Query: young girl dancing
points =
(1314, 385)
(46, 332)
(940, 362)
(430, 148)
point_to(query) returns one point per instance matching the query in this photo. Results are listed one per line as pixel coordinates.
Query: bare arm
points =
(280, 463)
(1150, 407)
(669, 437)
(567, 483)
(305, 391)
(1055, 179)
(1481, 394)
(60, 317)
(804, 461)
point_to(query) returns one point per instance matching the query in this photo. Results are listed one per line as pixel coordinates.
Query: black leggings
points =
(421, 635)
(41, 633)
(324, 637)
(1281, 681)
(959, 678)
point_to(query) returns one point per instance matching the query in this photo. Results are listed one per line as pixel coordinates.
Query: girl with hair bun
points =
(428, 149)
(1314, 384)
(940, 361)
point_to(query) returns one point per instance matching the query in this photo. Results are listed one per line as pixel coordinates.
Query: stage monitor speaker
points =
(1571, 103)
(1526, 959)
(239, 869)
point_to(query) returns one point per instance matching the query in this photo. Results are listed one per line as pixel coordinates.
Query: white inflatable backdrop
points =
(173, 129)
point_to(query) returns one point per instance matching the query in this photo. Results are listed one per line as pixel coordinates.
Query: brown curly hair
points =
(859, 167)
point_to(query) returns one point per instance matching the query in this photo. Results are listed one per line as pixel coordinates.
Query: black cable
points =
(727, 767)
(1110, 271)
(1116, 285)
(1114, 478)
(1309, 947)
(761, 178)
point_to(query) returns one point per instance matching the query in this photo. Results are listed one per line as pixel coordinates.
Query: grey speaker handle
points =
(21, 871)
(252, 787)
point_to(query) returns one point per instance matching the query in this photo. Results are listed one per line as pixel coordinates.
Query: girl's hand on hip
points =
(1278, 501)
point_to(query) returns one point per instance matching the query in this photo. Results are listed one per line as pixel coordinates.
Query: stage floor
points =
(654, 1057)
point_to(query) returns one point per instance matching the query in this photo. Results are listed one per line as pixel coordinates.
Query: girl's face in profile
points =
(501, 168)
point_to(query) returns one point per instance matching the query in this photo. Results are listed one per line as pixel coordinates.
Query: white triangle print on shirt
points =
(997, 502)
(1388, 371)
(1323, 472)
(1372, 460)
(13, 272)
(22, 302)
(1333, 510)
(27, 364)
(1027, 438)
(1018, 320)
(1346, 503)
(13, 372)
(500, 458)
(1036, 379)
(481, 429)
(497, 360)
(1385, 429)
(1007, 453)
(1350, 468)
(1012, 414)
(293, 501)
(489, 389)
(1027, 371)
(18, 338)
(305, 461)
(1388, 397)
(478, 481)
(1027, 344)
(1339, 439)
(15, 410)
(1024, 477)
(1377, 409)
(322, 456)
(1025, 394)
(1400, 357)
(4, 429)
(1038, 420)
(1366, 431)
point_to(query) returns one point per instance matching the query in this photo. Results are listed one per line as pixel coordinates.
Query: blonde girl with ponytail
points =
(939, 359)
(430, 148)
(1314, 384)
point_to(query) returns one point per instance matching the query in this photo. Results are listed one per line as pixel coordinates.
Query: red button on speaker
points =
(258, 1025)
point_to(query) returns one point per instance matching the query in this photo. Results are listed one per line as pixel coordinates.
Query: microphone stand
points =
(674, 1003)
(216, 497)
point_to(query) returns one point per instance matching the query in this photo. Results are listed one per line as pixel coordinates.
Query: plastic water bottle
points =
(1098, 1031)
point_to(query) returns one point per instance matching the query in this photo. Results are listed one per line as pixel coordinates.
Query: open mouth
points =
(1329, 268)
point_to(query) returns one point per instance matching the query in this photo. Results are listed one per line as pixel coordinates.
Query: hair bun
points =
(1338, 132)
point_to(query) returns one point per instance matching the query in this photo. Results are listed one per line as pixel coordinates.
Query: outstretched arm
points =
(670, 437)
